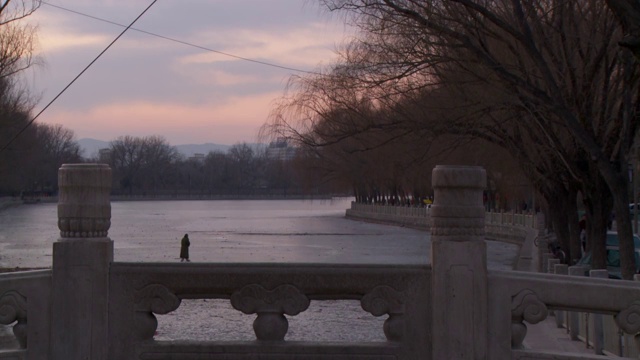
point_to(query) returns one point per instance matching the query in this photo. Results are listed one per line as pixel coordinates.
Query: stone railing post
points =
(636, 336)
(551, 263)
(458, 258)
(598, 326)
(81, 258)
(560, 269)
(574, 316)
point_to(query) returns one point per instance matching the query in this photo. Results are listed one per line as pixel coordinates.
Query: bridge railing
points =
(532, 296)
(25, 303)
(272, 292)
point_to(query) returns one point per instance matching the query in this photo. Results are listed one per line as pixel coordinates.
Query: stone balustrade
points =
(530, 296)
(506, 226)
(417, 217)
(25, 302)
(90, 307)
(270, 291)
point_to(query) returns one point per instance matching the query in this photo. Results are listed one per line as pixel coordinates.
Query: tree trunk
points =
(597, 201)
(623, 227)
(559, 219)
(575, 248)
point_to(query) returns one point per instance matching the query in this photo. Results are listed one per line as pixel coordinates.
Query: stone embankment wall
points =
(414, 217)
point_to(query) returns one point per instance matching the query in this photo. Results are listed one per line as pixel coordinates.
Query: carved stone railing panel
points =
(150, 300)
(525, 306)
(629, 319)
(386, 300)
(266, 282)
(13, 307)
(270, 305)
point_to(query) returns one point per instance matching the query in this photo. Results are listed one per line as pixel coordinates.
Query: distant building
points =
(280, 150)
(197, 157)
(104, 155)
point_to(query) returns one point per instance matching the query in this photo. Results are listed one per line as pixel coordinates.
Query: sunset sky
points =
(146, 85)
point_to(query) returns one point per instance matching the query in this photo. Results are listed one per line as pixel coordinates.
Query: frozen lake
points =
(221, 231)
(239, 231)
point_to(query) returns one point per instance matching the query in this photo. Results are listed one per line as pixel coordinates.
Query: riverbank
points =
(17, 268)
(12, 201)
(9, 201)
(221, 197)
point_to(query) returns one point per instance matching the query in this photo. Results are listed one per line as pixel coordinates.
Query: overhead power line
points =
(185, 42)
(76, 78)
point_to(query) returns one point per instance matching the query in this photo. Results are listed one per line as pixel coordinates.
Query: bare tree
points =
(54, 145)
(242, 169)
(17, 40)
(17, 45)
(557, 61)
(142, 164)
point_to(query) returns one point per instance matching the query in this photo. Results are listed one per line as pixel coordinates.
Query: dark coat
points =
(184, 247)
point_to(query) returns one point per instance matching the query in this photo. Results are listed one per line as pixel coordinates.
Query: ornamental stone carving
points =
(629, 319)
(13, 307)
(150, 300)
(386, 300)
(84, 208)
(525, 306)
(270, 305)
(458, 213)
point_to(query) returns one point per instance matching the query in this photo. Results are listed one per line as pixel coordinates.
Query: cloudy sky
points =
(146, 85)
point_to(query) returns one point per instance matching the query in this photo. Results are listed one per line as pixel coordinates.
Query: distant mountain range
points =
(90, 147)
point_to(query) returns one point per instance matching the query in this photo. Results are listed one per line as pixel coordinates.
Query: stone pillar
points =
(81, 258)
(459, 263)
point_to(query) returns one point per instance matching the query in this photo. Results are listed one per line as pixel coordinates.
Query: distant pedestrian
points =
(184, 248)
(582, 225)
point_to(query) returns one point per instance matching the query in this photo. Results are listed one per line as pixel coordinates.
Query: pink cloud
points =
(225, 123)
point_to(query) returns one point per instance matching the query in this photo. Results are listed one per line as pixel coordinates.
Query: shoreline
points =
(8, 201)
(4, 270)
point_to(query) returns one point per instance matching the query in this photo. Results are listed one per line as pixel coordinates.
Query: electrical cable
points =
(184, 42)
(76, 78)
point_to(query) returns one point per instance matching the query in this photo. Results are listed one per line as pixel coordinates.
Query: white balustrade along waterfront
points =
(90, 307)
(417, 217)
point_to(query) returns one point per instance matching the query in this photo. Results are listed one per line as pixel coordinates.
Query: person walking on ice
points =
(184, 248)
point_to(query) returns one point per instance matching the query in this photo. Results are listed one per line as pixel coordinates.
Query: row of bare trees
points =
(150, 167)
(31, 152)
(546, 82)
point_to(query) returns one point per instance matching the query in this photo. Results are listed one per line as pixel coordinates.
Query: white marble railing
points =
(270, 291)
(532, 296)
(506, 218)
(417, 217)
(420, 216)
(25, 303)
